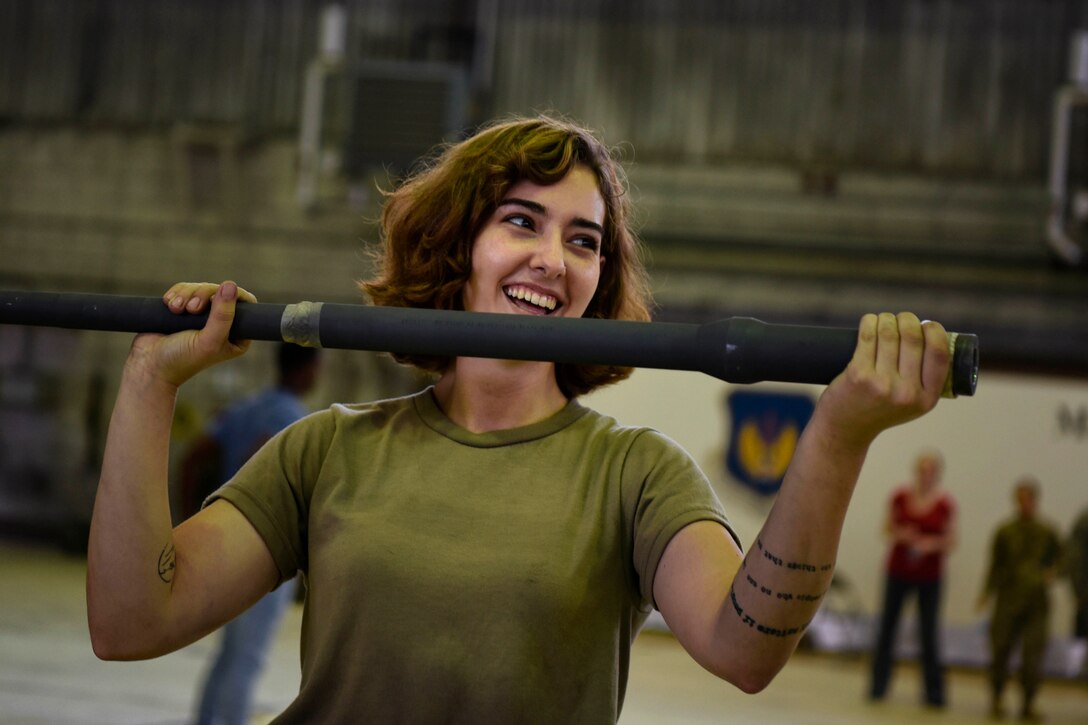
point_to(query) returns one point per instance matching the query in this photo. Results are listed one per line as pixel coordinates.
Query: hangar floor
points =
(48, 673)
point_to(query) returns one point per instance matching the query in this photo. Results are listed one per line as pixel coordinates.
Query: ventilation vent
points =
(399, 112)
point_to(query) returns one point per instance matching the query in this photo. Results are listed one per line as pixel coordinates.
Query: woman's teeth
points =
(535, 298)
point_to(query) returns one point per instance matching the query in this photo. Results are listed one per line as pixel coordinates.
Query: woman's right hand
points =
(173, 359)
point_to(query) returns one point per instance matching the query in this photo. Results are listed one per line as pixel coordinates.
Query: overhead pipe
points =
(1068, 97)
(329, 60)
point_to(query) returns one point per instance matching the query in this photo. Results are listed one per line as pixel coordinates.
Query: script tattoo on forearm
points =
(794, 565)
(167, 563)
(762, 628)
(784, 596)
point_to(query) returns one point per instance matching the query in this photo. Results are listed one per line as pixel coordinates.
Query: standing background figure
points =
(227, 693)
(1024, 561)
(1076, 563)
(922, 526)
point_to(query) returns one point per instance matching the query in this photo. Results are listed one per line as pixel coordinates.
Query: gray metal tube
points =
(737, 349)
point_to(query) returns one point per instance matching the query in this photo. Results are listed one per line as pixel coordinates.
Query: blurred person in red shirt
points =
(921, 524)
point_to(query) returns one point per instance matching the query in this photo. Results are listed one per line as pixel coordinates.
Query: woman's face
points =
(540, 251)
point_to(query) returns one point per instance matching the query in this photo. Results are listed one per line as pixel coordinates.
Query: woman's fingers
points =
(937, 358)
(217, 329)
(193, 297)
(898, 350)
(188, 296)
(221, 317)
(865, 350)
(887, 345)
(911, 346)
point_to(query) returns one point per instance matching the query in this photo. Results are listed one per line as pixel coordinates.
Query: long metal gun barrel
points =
(736, 349)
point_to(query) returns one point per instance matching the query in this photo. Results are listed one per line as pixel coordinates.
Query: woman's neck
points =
(483, 395)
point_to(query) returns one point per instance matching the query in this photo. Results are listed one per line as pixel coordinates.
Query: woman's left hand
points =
(897, 374)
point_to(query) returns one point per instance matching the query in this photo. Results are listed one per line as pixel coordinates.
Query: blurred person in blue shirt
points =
(236, 434)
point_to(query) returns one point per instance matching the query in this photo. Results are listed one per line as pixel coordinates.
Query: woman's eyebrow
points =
(541, 209)
(530, 205)
(587, 224)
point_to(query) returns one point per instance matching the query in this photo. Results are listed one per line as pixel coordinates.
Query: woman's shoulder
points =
(371, 413)
(606, 425)
(641, 437)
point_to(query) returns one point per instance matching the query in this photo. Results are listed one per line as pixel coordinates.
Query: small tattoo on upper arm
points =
(167, 563)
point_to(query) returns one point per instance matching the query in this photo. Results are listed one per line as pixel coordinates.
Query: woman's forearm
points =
(130, 558)
(789, 568)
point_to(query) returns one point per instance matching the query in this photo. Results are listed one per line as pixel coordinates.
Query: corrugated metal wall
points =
(138, 62)
(944, 86)
(951, 87)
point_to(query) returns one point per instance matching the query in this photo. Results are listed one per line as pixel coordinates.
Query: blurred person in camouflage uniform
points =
(1076, 566)
(1025, 556)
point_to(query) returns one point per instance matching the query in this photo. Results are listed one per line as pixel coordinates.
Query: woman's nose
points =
(548, 255)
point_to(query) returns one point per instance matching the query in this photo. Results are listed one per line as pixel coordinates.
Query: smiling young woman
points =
(430, 224)
(487, 548)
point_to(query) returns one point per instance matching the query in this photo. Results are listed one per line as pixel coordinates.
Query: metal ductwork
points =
(400, 111)
(1068, 217)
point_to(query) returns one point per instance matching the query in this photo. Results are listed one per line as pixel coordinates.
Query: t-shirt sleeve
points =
(664, 491)
(272, 489)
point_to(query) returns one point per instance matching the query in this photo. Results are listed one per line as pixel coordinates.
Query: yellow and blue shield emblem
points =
(763, 436)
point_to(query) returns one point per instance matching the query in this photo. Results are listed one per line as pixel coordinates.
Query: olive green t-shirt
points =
(455, 577)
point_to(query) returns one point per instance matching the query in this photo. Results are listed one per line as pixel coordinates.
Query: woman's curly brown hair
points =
(430, 221)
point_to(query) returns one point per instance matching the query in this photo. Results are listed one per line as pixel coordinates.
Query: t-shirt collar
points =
(426, 406)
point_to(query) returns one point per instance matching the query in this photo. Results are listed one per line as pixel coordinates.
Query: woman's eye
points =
(520, 220)
(589, 243)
